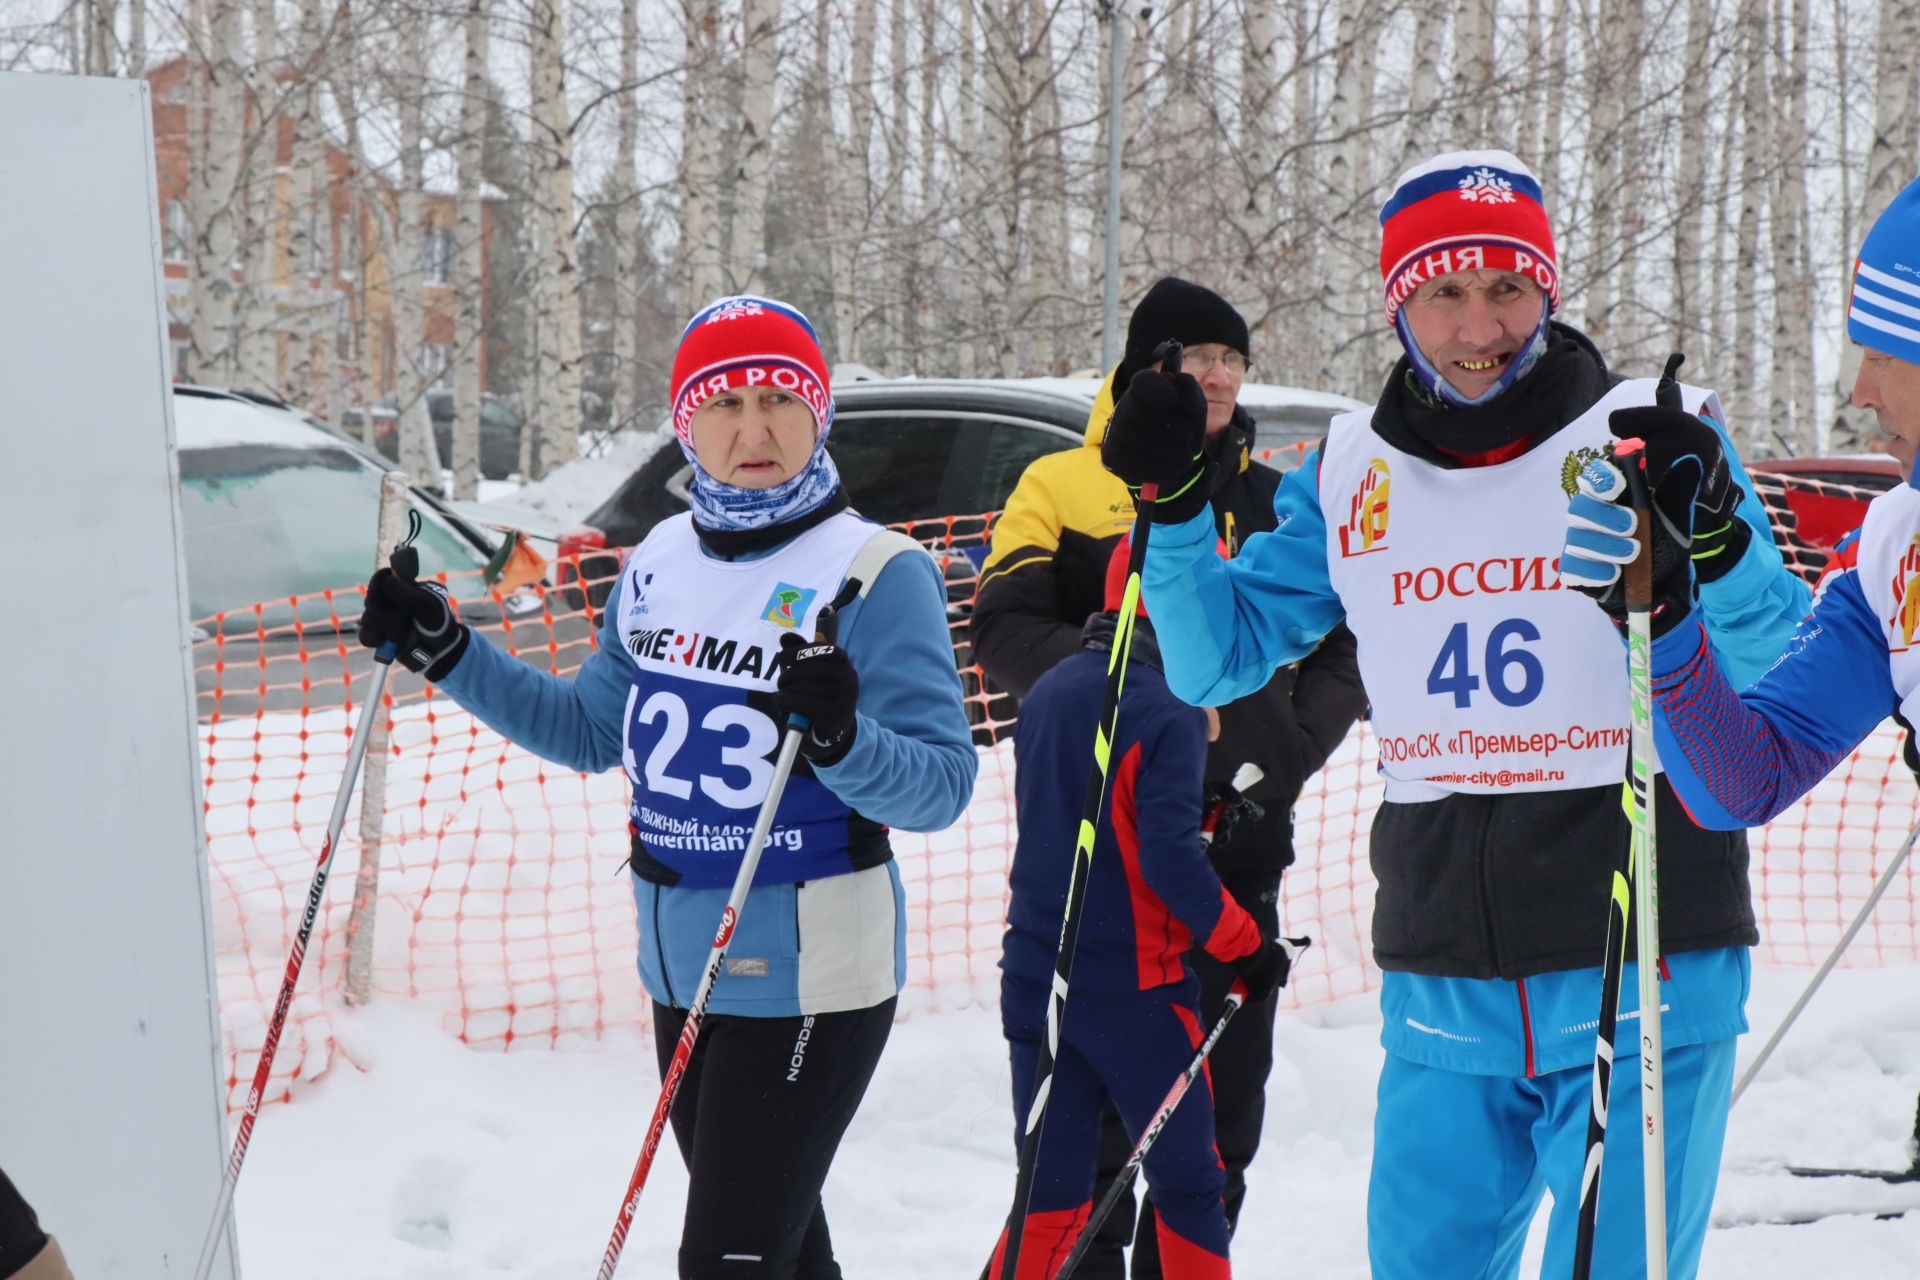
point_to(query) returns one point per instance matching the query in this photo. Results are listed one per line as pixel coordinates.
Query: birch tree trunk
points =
(136, 37)
(469, 286)
(1051, 273)
(900, 251)
(1607, 261)
(752, 148)
(559, 275)
(1423, 90)
(1789, 412)
(1473, 81)
(702, 249)
(626, 231)
(259, 239)
(1754, 140)
(857, 169)
(1691, 180)
(969, 170)
(406, 237)
(102, 44)
(307, 222)
(1260, 129)
(213, 198)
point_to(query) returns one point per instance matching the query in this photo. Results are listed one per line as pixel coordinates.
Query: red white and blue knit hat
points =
(1465, 211)
(1884, 311)
(745, 341)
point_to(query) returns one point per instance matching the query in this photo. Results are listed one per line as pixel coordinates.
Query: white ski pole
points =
(1846, 940)
(356, 752)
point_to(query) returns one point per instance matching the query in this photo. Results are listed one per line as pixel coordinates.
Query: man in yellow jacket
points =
(1045, 576)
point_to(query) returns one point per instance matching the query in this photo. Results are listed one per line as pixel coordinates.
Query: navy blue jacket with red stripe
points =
(1151, 893)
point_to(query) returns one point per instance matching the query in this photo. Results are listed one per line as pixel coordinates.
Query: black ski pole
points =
(1236, 998)
(1168, 356)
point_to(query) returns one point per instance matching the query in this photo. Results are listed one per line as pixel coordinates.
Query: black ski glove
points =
(1223, 808)
(1265, 968)
(817, 680)
(1691, 483)
(1158, 435)
(416, 616)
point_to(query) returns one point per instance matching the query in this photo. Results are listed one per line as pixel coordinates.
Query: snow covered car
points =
(909, 450)
(277, 510)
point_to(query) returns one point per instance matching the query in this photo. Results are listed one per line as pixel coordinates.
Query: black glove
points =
(817, 680)
(1158, 435)
(1691, 484)
(416, 616)
(1223, 808)
(1265, 968)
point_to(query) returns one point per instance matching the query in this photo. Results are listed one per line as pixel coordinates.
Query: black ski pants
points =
(1239, 1066)
(758, 1119)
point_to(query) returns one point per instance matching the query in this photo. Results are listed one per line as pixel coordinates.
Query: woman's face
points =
(753, 437)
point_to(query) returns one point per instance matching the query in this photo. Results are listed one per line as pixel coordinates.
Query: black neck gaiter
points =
(1569, 376)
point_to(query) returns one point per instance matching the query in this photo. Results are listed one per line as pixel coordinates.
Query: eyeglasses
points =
(1200, 363)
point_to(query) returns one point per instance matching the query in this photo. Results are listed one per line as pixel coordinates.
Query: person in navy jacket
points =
(705, 651)
(1132, 1021)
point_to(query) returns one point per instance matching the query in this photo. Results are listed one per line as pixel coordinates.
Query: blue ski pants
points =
(1128, 1046)
(1460, 1162)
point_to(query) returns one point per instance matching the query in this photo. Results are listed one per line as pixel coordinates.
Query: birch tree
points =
(558, 278)
(469, 334)
(752, 148)
(702, 242)
(1753, 163)
(1791, 357)
(1691, 177)
(213, 189)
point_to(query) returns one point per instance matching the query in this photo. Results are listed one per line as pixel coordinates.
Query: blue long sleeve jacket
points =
(1225, 625)
(911, 766)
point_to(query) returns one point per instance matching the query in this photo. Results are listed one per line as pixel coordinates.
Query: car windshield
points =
(265, 521)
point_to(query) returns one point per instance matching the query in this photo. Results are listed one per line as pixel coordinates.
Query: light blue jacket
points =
(911, 766)
(1225, 625)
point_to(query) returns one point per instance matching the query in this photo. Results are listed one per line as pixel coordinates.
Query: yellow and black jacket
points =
(1046, 574)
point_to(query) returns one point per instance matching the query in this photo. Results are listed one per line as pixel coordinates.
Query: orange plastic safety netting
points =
(502, 898)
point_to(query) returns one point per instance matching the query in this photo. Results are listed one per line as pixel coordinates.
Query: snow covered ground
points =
(416, 1157)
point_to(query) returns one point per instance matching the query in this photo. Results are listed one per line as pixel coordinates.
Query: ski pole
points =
(356, 752)
(1168, 356)
(1236, 998)
(1846, 939)
(1638, 585)
(827, 625)
(1636, 800)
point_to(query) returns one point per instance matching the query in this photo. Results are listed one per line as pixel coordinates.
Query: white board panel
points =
(111, 1107)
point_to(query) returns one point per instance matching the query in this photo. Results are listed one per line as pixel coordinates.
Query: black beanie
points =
(1184, 312)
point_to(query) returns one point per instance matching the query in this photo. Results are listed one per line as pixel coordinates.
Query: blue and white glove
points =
(1600, 539)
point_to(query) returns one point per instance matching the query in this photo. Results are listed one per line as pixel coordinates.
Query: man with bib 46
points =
(1432, 524)
(704, 653)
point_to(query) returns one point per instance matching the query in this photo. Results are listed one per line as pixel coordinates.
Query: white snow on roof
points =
(1252, 394)
(565, 496)
(202, 423)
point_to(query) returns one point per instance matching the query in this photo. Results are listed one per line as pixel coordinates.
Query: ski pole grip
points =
(1637, 577)
(826, 623)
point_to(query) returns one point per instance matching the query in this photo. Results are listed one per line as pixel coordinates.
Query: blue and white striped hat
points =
(1885, 311)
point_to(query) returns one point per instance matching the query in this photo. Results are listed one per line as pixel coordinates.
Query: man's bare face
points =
(1472, 325)
(1890, 387)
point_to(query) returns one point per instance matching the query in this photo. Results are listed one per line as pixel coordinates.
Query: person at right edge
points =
(1432, 524)
(1739, 751)
(26, 1252)
(1045, 577)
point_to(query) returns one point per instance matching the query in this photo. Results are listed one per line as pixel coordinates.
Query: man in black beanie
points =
(1045, 576)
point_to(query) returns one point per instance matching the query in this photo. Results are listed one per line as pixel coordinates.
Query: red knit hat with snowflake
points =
(745, 341)
(1465, 211)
